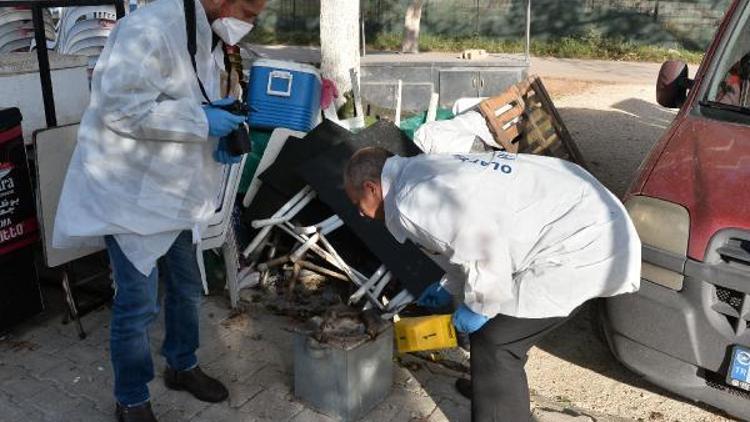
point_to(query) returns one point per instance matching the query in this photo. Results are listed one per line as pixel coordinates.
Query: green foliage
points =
(589, 45)
(586, 46)
(270, 37)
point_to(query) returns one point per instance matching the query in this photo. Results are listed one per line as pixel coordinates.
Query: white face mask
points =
(231, 30)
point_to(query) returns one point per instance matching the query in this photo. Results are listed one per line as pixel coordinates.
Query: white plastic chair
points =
(313, 239)
(14, 42)
(74, 15)
(15, 25)
(275, 144)
(82, 44)
(86, 39)
(88, 25)
(16, 29)
(84, 30)
(220, 233)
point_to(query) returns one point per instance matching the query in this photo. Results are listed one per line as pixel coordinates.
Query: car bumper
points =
(681, 340)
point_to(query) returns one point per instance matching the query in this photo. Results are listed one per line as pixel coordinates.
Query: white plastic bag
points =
(458, 135)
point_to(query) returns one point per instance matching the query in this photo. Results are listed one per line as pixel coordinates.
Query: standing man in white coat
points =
(144, 177)
(524, 240)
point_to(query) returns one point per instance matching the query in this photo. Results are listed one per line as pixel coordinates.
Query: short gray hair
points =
(366, 164)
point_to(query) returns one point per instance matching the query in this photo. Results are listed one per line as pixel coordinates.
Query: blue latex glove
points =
(468, 321)
(220, 122)
(435, 296)
(222, 155)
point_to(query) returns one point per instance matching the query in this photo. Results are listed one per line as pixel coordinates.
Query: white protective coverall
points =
(143, 169)
(521, 235)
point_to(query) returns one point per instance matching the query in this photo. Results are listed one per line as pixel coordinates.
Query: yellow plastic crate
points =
(432, 332)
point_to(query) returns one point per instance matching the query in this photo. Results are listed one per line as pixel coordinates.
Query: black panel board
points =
(281, 174)
(281, 183)
(385, 135)
(325, 174)
(20, 297)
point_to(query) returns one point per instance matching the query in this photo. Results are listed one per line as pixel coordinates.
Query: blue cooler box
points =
(283, 94)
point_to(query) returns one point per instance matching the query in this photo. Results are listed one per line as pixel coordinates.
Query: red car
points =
(688, 328)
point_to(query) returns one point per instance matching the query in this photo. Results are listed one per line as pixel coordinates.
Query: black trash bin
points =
(20, 296)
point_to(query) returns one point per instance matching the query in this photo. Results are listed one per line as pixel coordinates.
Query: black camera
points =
(238, 142)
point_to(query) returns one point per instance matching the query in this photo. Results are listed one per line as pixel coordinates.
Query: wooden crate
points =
(524, 119)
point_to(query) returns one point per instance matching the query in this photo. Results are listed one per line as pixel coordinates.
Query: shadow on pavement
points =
(615, 141)
(578, 341)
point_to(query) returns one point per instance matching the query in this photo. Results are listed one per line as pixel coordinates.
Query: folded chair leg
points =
(202, 269)
(72, 308)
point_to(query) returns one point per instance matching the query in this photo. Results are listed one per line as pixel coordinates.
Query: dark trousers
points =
(500, 391)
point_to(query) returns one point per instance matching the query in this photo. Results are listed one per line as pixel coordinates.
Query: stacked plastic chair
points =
(17, 29)
(84, 30)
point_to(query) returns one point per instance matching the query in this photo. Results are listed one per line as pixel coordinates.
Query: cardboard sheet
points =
(54, 150)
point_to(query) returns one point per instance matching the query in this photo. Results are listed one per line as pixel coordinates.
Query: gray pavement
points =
(48, 374)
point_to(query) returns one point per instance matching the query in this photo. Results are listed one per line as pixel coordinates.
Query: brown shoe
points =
(197, 383)
(140, 413)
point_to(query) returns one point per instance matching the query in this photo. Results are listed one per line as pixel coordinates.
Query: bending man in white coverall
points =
(524, 240)
(144, 179)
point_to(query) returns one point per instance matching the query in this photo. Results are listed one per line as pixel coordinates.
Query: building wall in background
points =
(685, 23)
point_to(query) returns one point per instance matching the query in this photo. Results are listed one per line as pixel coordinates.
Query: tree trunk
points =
(412, 22)
(339, 42)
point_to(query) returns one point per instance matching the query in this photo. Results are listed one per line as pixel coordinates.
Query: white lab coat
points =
(143, 168)
(520, 235)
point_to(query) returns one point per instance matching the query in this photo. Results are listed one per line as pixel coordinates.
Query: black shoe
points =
(140, 413)
(197, 383)
(464, 387)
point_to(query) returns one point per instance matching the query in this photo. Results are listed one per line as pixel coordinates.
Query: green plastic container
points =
(259, 140)
(409, 126)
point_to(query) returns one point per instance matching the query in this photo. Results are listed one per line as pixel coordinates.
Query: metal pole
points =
(363, 38)
(44, 70)
(399, 91)
(476, 29)
(294, 14)
(119, 8)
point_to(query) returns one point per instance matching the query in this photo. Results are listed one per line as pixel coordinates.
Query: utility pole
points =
(412, 23)
(339, 42)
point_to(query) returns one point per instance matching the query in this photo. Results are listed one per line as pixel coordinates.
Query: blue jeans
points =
(136, 306)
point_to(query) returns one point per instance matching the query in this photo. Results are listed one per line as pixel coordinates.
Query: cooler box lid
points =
(291, 66)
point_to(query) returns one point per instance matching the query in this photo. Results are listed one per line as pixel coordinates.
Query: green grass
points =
(583, 47)
(265, 36)
(586, 46)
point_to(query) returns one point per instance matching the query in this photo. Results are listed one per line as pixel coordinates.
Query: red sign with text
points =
(18, 223)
